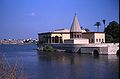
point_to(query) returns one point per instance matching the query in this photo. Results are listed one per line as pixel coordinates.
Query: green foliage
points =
(87, 30)
(112, 32)
(104, 22)
(108, 38)
(47, 48)
(42, 40)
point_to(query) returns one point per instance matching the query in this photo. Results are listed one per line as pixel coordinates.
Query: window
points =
(78, 36)
(96, 40)
(92, 41)
(102, 41)
(74, 36)
(99, 40)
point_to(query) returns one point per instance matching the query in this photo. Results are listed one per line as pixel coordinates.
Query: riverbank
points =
(49, 48)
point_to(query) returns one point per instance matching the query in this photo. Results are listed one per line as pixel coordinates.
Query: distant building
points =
(75, 35)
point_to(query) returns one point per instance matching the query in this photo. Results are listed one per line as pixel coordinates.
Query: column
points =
(51, 39)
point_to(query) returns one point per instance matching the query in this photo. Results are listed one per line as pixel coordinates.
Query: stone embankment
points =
(101, 48)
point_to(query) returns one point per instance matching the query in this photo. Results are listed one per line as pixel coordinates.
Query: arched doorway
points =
(56, 39)
(95, 52)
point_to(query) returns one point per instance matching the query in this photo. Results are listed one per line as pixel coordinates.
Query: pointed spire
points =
(75, 27)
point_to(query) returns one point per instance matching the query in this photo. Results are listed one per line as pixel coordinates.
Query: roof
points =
(92, 32)
(75, 27)
(67, 33)
(54, 33)
(61, 30)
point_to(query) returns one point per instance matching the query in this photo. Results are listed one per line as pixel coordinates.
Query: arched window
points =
(99, 40)
(96, 40)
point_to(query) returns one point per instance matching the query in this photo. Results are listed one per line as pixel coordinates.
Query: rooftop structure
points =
(75, 30)
(75, 27)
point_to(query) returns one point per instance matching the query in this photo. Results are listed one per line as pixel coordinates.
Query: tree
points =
(86, 29)
(104, 22)
(112, 32)
(81, 27)
(97, 24)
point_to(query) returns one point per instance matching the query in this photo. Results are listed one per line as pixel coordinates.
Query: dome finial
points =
(75, 13)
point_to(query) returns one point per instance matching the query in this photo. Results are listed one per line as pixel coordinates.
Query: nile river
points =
(51, 65)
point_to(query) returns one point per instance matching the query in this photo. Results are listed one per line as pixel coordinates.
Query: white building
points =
(78, 40)
(75, 35)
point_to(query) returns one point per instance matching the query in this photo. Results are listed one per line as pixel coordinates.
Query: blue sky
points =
(25, 18)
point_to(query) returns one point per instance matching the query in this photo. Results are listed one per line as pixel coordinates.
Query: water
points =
(39, 65)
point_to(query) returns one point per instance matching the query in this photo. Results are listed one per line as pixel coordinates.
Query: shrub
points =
(8, 71)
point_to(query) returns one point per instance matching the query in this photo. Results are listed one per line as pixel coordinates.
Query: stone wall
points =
(103, 48)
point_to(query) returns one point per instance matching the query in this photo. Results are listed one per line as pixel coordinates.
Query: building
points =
(75, 35)
(77, 40)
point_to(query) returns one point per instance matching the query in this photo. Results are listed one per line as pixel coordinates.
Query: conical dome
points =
(75, 27)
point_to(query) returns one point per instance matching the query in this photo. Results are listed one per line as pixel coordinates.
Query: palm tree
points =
(97, 24)
(104, 23)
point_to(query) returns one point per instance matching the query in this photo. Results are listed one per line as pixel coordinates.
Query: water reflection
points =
(76, 66)
(61, 57)
(73, 58)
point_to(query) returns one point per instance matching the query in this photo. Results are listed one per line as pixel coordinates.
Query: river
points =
(60, 65)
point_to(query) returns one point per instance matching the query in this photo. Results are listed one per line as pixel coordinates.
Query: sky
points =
(22, 19)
